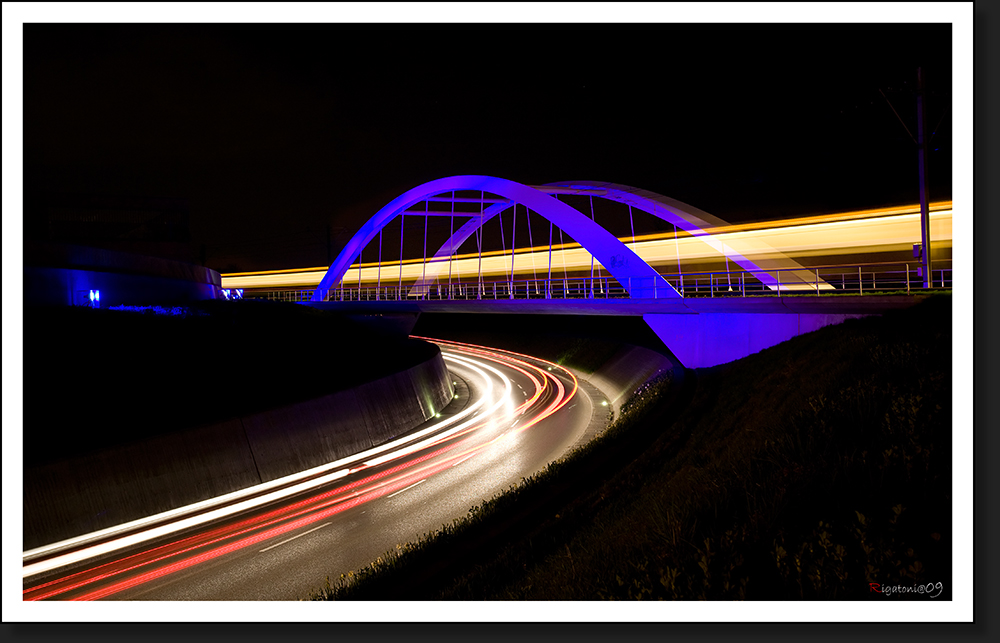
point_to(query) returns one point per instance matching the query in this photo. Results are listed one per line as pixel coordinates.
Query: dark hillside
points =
(806, 471)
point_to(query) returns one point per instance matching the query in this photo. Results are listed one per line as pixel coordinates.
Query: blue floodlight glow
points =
(174, 311)
(626, 266)
(638, 278)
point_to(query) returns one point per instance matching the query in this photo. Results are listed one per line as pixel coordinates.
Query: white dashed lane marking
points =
(402, 490)
(288, 540)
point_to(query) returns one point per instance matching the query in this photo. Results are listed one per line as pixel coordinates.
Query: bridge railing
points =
(857, 279)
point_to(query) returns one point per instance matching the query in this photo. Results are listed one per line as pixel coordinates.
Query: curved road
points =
(511, 416)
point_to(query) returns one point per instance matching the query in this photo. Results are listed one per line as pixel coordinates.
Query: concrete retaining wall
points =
(709, 339)
(638, 353)
(628, 369)
(85, 494)
(290, 439)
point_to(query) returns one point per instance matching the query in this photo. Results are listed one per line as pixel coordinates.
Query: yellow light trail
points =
(884, 230)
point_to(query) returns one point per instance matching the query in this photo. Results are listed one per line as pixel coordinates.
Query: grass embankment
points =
(806, 471)
(94, 379)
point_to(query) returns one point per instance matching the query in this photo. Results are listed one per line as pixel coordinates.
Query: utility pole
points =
(925, 217)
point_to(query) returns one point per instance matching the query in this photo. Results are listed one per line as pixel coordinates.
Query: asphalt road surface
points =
(510, 417)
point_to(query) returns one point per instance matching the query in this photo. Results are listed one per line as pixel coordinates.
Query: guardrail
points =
(858, 279)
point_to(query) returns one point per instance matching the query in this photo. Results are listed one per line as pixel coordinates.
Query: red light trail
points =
(432, 456)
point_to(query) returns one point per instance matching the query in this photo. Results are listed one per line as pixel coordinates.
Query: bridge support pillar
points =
(708, 339)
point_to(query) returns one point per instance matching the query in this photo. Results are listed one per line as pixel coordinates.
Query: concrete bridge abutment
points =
(699, 331)
(710, 339)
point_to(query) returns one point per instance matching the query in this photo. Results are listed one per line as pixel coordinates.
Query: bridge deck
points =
(847, 304)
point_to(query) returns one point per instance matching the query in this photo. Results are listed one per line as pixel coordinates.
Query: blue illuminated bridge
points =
(761, 298)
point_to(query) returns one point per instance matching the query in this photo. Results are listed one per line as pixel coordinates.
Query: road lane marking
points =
(288, 540)
(402, 490)
(463, 460)
(362, 466)
(214, 508)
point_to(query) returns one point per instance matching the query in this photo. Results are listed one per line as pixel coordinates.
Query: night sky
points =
(274, 132)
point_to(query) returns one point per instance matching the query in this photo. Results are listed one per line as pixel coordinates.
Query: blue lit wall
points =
(703, 340)
(65, 275)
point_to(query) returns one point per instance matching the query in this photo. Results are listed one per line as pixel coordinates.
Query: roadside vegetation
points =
(806, 471)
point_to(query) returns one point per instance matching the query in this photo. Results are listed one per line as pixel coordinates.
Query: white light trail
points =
(502, 401)
(203, 512)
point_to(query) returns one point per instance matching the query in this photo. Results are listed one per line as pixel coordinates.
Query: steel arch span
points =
(634, 274)
(696, 222)
(688, 218)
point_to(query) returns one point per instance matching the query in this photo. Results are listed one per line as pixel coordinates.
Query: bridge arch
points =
(697, 222)
(634, 274)
(686, 217)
